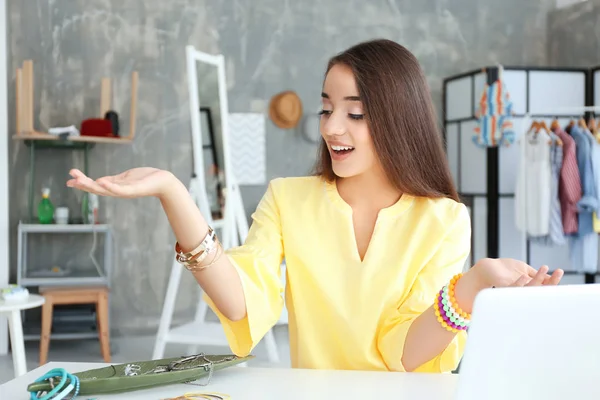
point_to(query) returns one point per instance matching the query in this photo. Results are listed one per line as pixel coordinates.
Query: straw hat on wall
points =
(285, 109)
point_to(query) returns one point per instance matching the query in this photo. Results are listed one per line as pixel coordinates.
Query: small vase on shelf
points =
(45, 208)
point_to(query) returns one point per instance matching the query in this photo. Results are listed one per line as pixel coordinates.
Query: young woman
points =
(372, 242)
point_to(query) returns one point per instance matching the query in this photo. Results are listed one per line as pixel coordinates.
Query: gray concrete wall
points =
(269, 45)
(574, 35)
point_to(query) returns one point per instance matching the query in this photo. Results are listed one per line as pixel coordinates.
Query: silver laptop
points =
(533, 343)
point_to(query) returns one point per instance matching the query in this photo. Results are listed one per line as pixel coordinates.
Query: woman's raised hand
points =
(504, 272)
(501, 272)
(136, 182)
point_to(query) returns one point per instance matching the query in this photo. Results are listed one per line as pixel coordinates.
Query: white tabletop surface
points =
(33, 300)
(273, 384)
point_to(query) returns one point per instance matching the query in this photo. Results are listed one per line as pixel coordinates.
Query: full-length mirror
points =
(211, 128)
(215, 190)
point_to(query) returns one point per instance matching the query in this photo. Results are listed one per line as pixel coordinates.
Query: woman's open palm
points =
(503, 272)
(136, 182)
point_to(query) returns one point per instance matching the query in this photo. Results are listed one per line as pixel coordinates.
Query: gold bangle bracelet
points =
(195, 268)
(197, 256)
(207, 243)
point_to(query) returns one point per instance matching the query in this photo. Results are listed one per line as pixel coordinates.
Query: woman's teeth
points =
(341, 148)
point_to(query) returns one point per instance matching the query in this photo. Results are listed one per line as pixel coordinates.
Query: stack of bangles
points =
(447, 311)
(196, 260)
(67, 385)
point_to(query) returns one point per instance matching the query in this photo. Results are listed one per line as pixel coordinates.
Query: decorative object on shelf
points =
(285, 109)
(52, 272)
(45, 208)
(14, 293)
(113, 117)
(147, 374)
(66, 131)
(89, 208)
(24, 84)
(98, 127)
(248, 150)
(61, 215)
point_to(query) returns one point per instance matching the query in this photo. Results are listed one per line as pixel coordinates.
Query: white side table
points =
(15, 326)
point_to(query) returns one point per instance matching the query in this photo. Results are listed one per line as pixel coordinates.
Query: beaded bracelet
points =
(447, 311)
(68, 382)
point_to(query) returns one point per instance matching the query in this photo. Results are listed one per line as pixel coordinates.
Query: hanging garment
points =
(569, 187)
(584, 245)
(533, 193)
(595, 155)
(494, 116)
(589, 200)
(555, 236)
(596, 222)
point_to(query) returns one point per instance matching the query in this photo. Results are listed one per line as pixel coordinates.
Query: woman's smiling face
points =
(343, 125)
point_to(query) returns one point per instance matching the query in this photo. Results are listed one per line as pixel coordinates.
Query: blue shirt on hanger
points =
(583, 246)
(595, 156)
(589, 201)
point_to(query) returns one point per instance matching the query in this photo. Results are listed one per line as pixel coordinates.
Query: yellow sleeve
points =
(258, 263)
(448, 260)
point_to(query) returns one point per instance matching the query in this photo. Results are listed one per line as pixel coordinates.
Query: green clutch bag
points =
(147, 374)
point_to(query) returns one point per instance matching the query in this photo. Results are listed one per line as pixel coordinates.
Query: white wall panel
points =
(452, 143)
(458, 98)
(510, 239)
(552, 90)
(516, 85)
(572, 279)
(467, 264)
(479, 228)
(508, 160)
(473, 161)
(552, 256)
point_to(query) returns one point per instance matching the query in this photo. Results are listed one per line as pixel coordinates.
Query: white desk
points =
(13, 309)
(274, 384)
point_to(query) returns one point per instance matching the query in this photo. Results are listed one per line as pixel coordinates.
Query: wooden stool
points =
(88, 295)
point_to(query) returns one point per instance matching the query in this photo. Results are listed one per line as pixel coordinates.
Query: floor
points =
(125, 349)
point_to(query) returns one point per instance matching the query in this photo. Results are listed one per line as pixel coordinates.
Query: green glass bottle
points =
(46, 208)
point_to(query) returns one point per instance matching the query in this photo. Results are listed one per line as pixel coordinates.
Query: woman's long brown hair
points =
(401, 118)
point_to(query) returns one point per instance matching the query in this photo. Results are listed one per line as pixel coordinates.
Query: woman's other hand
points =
(136, 182)
(501, 272)
(505, 272)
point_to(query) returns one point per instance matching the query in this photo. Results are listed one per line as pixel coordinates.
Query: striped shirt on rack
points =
(569, 189)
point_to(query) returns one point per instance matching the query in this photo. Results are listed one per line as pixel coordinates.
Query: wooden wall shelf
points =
(83, 139)
(24, 109)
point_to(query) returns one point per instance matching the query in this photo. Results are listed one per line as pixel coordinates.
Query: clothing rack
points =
(484, 176)
(558, 112)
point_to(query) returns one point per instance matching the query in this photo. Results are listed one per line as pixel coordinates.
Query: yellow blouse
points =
(344, 313)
